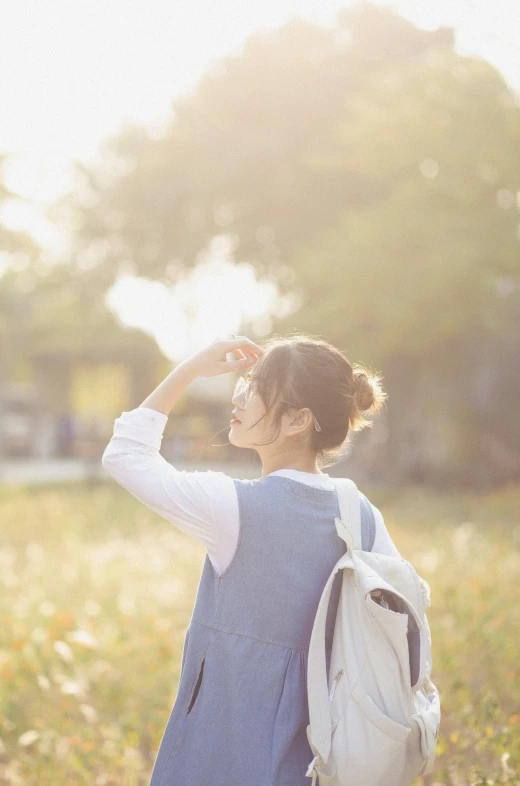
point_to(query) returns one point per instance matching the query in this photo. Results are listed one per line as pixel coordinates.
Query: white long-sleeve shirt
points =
(203, 504)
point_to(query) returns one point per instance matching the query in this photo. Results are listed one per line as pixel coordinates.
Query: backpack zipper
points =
(336, 680)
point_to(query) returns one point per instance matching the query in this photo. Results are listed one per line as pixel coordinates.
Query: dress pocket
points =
(195, 690)
(164, 768)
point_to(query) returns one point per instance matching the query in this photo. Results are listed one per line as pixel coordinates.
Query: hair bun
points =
(363, 390)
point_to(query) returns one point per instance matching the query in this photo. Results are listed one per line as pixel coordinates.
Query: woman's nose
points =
(237, 400)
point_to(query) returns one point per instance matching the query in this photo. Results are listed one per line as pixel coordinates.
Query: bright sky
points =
(73, 72)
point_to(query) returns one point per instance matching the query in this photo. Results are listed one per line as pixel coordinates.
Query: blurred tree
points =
(18, 253)
(423, 280)
(235, 156)
(54, 324)
(19, 245)
(374, 173)
(436, 249)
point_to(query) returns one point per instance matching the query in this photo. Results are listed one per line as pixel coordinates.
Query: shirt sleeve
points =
(383, 543)
(203, 505)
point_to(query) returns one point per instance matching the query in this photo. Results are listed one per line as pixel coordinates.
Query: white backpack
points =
(374, 720)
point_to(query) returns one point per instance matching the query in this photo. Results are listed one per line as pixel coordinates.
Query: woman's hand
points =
(211, 361)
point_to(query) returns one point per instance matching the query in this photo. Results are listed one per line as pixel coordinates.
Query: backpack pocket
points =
(428, 717)
(368, 747)
(396, 625)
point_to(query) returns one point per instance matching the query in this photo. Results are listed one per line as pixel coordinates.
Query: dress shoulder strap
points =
(368, 523)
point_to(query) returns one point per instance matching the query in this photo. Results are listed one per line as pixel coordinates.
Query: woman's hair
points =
(310, 372)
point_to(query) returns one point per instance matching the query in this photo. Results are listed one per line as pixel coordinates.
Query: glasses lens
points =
(242, 393)
(238, 393)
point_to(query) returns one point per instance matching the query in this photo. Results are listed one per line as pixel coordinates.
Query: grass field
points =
(97, 592)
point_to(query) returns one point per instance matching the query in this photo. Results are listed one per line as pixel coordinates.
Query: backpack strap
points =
(319, 730)
(348, 526)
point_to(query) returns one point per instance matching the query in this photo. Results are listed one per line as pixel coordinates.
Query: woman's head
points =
(300, 381)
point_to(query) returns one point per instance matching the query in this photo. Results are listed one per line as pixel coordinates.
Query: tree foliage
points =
(435, 251)
(235, 157)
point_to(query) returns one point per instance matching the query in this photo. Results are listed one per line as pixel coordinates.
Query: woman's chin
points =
(233, 437)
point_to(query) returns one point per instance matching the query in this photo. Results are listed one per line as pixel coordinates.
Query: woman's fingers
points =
(243, 348)
(245, 343)
(236, 364)
(248, 353)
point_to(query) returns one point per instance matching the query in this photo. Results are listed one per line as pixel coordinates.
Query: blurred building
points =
(66, 406)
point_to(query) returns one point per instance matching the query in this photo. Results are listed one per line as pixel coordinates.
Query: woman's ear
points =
(299, 418)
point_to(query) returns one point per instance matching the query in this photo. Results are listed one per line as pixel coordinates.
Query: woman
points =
(241, 713)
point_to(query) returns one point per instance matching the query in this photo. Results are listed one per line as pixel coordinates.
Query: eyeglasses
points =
(243, 391)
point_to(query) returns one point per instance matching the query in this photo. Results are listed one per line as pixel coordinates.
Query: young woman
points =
(240, 715)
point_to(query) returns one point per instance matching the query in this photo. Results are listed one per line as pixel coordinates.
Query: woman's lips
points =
(234, 420)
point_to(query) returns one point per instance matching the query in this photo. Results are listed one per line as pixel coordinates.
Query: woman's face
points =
(255, 426)
(242, 434)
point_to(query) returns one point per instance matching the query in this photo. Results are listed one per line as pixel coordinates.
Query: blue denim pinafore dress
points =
(240, 715)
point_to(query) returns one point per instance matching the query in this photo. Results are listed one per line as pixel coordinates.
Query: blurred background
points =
(349, 171)
(171, 172)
